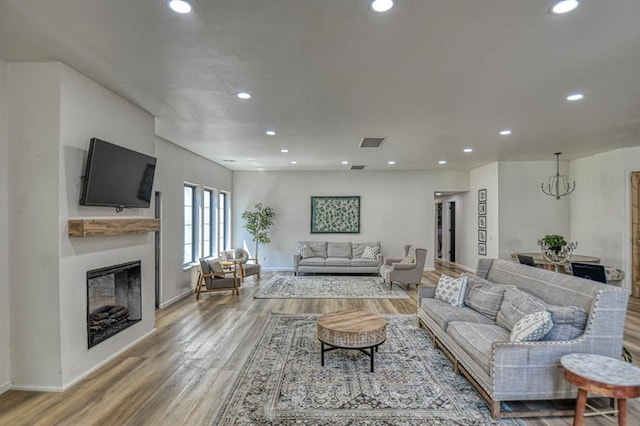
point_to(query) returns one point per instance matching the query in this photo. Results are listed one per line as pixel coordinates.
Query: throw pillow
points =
(533, 326)
(215, 266)
(410, 258)
(306, 251)
(568, 322)
(515, 305)
(370, 252)
(484, 297)
(451, 290)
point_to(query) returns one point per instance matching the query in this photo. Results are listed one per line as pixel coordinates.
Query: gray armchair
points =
(212, 276)
(407, 270)
(246, 266)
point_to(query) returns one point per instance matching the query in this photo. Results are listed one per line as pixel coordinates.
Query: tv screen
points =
(117, 177)
(589, 271)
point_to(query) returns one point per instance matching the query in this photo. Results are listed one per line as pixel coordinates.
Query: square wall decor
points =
(335, 215)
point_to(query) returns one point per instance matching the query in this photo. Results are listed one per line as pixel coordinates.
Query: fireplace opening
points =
(114, 300)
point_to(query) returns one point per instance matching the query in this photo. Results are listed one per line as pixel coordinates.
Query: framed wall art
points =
(335, 215)
(482, 208)
(482, 235)
(482, 222)
(482, 249)
(482, 195)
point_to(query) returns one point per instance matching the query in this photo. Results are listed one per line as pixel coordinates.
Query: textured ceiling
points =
(433, 76)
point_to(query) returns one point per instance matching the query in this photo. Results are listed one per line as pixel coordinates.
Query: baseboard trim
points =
(5, 387)
(177, 298)
(85, 374)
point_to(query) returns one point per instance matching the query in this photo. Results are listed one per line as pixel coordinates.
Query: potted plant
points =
(257, 223)
(554, 241)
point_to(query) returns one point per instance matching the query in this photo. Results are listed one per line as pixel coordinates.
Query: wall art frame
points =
(482, 249)
(335, 215)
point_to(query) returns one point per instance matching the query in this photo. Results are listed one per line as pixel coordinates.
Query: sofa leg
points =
(495, 409)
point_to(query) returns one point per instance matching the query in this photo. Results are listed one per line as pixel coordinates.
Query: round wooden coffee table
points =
(351, 330)
(602, 375)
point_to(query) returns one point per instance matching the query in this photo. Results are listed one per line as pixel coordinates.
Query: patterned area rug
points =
(283, 383)
(328, 287)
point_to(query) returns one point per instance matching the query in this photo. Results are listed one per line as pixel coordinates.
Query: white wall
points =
(5, 364)
(53, 113)
(526, 213)
(175, 167)
(485, 177)
(601, 207)
(396, 208)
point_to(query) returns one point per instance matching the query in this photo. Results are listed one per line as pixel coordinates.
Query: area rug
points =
(283, 383)
(328, 287)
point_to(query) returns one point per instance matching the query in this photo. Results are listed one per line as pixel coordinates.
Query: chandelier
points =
(558, 185)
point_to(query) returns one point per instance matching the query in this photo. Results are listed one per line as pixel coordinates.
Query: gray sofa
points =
(336, 257)
(587, 317)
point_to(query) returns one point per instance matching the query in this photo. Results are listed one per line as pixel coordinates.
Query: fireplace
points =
(114, 300)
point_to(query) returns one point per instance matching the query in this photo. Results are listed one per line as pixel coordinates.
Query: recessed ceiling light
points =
(345, 162)
(244, 95)
(505, 132)
(563, 6)
(575, 97)
(442, 162)
(294, 162)
(468, 150)
(180, 6)
(271, 132)
(391, 162)
(284, 150)
(438, 193)
(382, 5)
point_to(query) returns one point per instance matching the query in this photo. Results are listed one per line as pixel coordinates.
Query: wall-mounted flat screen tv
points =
(117, 177)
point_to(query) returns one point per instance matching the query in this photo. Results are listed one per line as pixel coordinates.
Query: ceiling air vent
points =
(372, 142)
(354, 167)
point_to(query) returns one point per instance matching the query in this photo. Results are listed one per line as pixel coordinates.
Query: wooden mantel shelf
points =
(80, 228)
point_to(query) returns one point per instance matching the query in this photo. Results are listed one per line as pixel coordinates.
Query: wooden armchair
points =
(213, 277)
(246, 265)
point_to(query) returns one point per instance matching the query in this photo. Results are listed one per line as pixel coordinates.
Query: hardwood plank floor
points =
(181, 374)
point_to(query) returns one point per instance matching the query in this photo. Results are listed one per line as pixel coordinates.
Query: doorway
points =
(439, 230)
(635, 234)
(158, 209)
(452, 231)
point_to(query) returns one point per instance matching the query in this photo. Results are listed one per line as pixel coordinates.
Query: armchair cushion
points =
(214, 265)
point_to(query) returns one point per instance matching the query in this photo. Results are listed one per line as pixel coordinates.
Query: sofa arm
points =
(425, 291)
(296, 262)
(380, 259)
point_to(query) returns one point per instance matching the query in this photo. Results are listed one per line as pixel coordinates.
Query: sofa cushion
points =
(484, 296)
(568, 322)
(443, 313)
(363, 261)
(339, 249)
(358, 248)
(477, 340)
(515, 305)
(451, 290)
(531, 327)
(312, 261)
(337, 261)
(319, 248)
(370, 252)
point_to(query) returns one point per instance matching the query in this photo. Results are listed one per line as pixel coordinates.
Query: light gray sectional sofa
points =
(587, 317)
(336, 257)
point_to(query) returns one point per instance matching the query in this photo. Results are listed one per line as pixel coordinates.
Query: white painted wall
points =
(5, 360)
(53, 113)
(601, 207)
(396, 208)
(485, 177)
(526, 213)
(175, 167)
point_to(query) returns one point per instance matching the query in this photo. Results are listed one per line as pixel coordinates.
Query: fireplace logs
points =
(106, 316)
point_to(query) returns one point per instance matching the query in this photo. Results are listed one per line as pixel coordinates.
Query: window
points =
(223, 208)
(208, 212)
(189, 224)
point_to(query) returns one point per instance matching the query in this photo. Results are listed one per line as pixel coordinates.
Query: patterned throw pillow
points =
(306, 251)
(531, 327)
(370, 252)
(410, 258)
(451, 290)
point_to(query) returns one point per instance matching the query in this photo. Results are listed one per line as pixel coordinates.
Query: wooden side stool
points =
(603, 375)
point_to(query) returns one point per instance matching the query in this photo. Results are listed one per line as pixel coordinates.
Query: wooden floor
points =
(181, 374)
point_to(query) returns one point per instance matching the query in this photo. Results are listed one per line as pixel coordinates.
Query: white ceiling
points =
(433, 76)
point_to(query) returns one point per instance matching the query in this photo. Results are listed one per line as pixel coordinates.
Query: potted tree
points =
(555, 242)
(257, 222)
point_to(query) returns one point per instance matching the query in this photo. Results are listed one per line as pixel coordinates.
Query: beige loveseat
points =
(588, 317)
(337, 257)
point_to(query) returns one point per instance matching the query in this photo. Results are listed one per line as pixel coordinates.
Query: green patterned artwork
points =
(335, 215)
